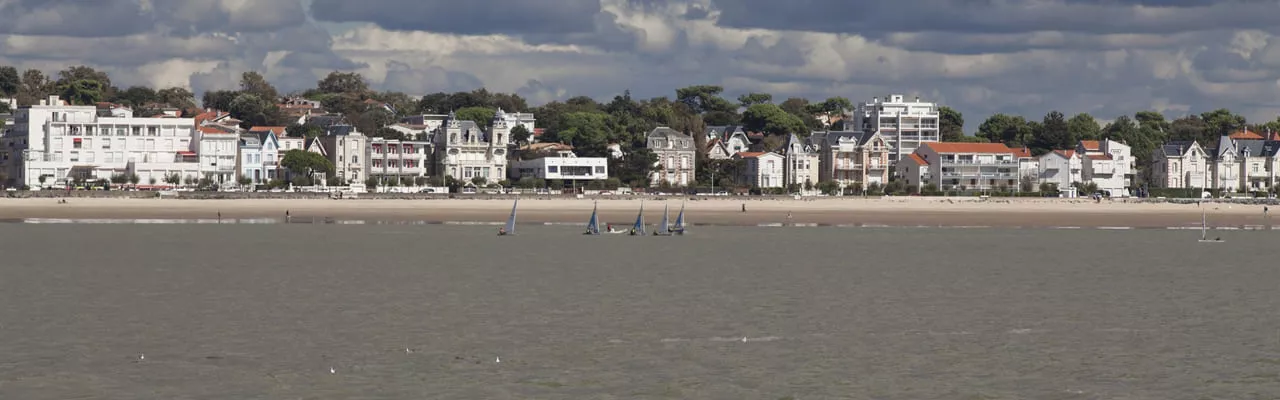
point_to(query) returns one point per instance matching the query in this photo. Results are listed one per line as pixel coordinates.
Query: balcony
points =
(970, 162)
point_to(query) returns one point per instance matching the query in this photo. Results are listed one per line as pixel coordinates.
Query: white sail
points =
(680, 220)
(664, 228)
(511, 221)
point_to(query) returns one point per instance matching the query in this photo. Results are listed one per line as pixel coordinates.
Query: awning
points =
(187, 153)
(77, 140)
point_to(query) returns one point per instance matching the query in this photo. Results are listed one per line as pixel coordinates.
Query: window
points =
(355, 159)
(88, 156)
(599, 170)
(137, 131)
(106, 144)
(153, 131)
(75, 156)
(77, 143)
(339, 158)
(551, 169)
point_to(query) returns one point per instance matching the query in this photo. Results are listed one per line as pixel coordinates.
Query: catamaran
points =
(510, 228)
(679, 228)
(638, 228)
(593, 225)
(1204, 230)
(664, 229)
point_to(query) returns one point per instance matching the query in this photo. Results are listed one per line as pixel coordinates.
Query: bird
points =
(407, 351)
(744, 339)
(142, 357)
(332, 371)
(497, 359)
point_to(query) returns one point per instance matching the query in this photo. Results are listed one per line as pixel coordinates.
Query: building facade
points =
(971, 166)
(466, 152)
(1107, 164)
(762, 170)
(1180, 164)
(1061, 168)
(344, 146)
(677, 157)
(565, 166)
(854, 158)
(800, 164)
(904, 125)
(398, 161)
(53, 144)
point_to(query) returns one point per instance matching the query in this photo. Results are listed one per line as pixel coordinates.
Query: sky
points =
(1024, 57)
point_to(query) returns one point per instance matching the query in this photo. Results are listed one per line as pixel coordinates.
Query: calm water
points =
(243, 311)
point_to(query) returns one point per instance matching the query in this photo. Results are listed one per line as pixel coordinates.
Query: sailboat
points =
(593, 224)
(679, 228)
(1204, 229)
(510, 228)
(638, 228)
(664, 229)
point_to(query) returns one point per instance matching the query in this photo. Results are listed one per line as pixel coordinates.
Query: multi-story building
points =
(562, 165)
(466, 152)
(677, 157)
(344, 146)
(218, 150)
(399, 160)
(761, 170)
(1107, 164)
(1028, 169)
(1061, 168)
(269, 137)
(904, 125)
(849, 158)
(971, 166)
(249, 161)
(1180, 164)
(801, 165)
(733, 138)
(914, 171)
(52, 144)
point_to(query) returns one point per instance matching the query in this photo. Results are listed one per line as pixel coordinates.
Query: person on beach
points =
(744, 207)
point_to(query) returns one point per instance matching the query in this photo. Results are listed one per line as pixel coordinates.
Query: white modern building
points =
(399, 160)
(217, 152)
(971, 166)
(904, 125)
(564, 166)
(761, 170)
(1107, 164)
(52, 144)
(466, 152)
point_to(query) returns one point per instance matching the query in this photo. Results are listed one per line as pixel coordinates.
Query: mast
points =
(511, 221)
(1204, 225)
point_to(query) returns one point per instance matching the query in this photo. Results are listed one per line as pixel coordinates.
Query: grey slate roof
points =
(860, 138)
(1176, 148)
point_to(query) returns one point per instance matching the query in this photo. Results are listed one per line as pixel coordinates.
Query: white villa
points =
(1180, 164)
(465, 152)
(761, 170)
(52, 143)
(800, 166)
(1061, 168)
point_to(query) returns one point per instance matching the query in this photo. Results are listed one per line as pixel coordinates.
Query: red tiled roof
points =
(750, 154)
(209, 130)
(1066, 153)
(275, 129)
(1099, 156)
(1022, 153)
(1090, 144)
(957, 147)
(1245, 135)
(919, 160)
(538, 131)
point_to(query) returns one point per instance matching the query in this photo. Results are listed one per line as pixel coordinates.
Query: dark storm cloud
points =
(212, 16)
(874, 18)
(468, 17)
(74, 18)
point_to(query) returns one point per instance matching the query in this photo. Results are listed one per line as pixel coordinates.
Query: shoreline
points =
(845, 212)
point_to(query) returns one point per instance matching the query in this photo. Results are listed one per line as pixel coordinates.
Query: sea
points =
(338, 311)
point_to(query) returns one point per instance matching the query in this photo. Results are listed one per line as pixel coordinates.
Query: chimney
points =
(875, 99)
(917, 99)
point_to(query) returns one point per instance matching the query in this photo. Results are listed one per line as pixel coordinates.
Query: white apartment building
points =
(564, 165)
(217, 152)
(971, 166)
(761, 170)
(398, 160)
(466, 152)
(60, 142)
(1180, 164)
(914, 171)
(1061, 168)
(1107, 164)
(677, 157)
(904, 125)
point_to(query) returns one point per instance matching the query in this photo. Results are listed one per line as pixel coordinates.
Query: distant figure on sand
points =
(744, 207)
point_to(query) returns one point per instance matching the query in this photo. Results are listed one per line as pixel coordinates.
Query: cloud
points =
(1106, 57)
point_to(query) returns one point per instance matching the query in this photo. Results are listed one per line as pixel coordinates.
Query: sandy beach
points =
(914, 211)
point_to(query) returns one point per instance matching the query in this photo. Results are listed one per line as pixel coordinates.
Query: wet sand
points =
(833, 211)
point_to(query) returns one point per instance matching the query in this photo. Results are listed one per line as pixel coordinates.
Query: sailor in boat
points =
(502, 231)
(633, 231)
(608, 227)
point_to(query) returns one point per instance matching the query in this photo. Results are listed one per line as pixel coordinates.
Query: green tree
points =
(374, 120)
(751, 99)
(252, 82)
(303, 131)
(1222, 122)
(1053, 134)
(219, 99)
(82, 92)
(301, 161)
(481, 115)
(520, 135)
(136, 96)
(10, 81)
(35, 86)
(249, 108)
(950, 124)
(801, 108)
(343, 82)
(773, 120)
(1083, 127)
(1013, 131)
(587, 132)
(389, 134)
(176, 97)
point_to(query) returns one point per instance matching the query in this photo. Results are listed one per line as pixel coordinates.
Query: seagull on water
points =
(744, 339)
(407, 351)
(332, 371)
(497, 359)
(142, 357)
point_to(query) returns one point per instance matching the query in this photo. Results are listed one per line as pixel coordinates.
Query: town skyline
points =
(1108, 59)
